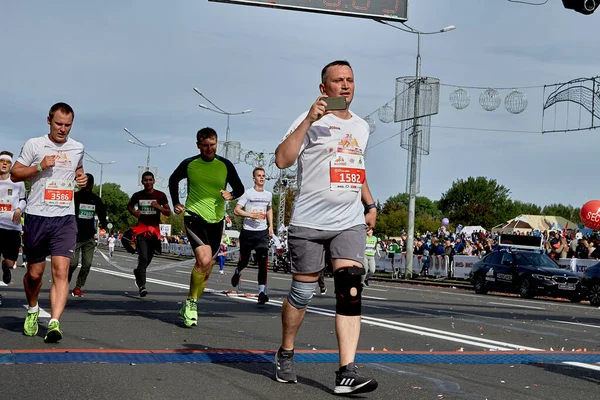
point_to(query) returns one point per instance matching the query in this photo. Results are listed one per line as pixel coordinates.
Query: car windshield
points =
(539, 260)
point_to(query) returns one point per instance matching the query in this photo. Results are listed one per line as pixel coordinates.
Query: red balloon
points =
(590, 214)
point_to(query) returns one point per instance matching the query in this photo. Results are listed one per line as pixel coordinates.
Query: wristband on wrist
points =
(39, 167)
(369, 207)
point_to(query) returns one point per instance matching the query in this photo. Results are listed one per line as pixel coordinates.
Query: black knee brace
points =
(348, 289)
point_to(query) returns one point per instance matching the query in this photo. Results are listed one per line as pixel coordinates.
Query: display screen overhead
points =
(390, 10)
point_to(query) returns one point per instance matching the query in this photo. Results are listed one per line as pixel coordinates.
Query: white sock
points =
(261, 288)
(33, 309)
(51, 320)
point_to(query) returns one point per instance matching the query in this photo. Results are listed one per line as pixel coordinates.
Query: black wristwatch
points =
(369, 206)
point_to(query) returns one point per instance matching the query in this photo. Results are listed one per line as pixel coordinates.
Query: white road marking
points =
(516, 305)
(582, 365)
(399, 311)
(374, 298)
(376, 290)
(574, 323)
(389, 324)
(280, 278)
(43, 313)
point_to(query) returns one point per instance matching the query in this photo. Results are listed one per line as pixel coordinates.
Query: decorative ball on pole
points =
(490, 100)
(515, 102)
(460, 99)
(386, 114)
(371, 123)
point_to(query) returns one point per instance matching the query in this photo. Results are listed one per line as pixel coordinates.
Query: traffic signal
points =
(582, 6)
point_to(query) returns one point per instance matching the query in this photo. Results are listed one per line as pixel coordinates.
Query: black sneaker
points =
(262, 298)
(366, 282)
(6, 275)
(137, 278)
(284, 366)
(347, 381)
(235, 278)
(323, 291)
(143, 292)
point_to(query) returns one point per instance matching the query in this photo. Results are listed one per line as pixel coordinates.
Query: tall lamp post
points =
(219, 110)
(413, 155)
(101, 164)
(138, 142)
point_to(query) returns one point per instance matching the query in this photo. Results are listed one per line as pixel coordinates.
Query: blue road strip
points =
(228, 356)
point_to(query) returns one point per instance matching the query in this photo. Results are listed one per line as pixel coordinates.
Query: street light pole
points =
(412, 189)
(101, 164)
(413, 154)
(138, 142)
(219, 110)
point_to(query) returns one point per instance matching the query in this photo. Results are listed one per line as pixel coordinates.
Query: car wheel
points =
(525, 290)
(594, 294)
(479, 284)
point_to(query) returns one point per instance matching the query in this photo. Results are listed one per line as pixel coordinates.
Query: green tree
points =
(176, 222)
(525, 208)
(423, 206)
(115, 201)
(427, 223)
(391, 223)
(569, 212)
(476, 201)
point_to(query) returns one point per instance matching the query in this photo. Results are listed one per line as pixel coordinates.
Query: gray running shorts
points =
(308, 246)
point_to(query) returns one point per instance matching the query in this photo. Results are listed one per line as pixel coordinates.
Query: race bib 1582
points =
(347, 172)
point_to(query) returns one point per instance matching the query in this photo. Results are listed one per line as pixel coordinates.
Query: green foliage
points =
(115, 201)
(518, 208)
(393, 215)
(176, 222)
(423, 206)
(236, 222)
(476, 201)
(290, 195)
(569, 212)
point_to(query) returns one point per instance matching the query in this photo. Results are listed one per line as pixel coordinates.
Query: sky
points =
(134, 64)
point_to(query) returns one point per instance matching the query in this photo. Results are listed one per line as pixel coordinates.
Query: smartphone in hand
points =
(335, 103)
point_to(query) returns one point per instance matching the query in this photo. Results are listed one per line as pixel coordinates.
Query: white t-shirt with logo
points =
(255, 201)
(52, 189)
(331, 171)
(12, 196)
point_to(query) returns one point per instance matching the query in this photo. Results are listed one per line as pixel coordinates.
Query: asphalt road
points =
(420, 342)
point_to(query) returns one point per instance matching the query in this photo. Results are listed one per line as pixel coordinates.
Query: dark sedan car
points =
(590, 285)
(524, 272)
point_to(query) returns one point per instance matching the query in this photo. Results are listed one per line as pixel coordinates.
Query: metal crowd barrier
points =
(438, 266)
(169, 248)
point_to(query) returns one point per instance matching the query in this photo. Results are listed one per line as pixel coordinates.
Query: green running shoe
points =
(31, 323)
(54, 334)
(189, 312)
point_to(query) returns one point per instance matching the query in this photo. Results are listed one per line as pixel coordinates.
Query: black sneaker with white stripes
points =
(347, 381)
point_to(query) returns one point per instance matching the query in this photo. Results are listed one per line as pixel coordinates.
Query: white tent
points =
(468, 230)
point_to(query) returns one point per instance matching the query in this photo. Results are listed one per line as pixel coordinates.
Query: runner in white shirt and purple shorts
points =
(53, 165)
(332, 209)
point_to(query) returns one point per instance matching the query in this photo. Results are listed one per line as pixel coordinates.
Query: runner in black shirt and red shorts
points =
(150, 204)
